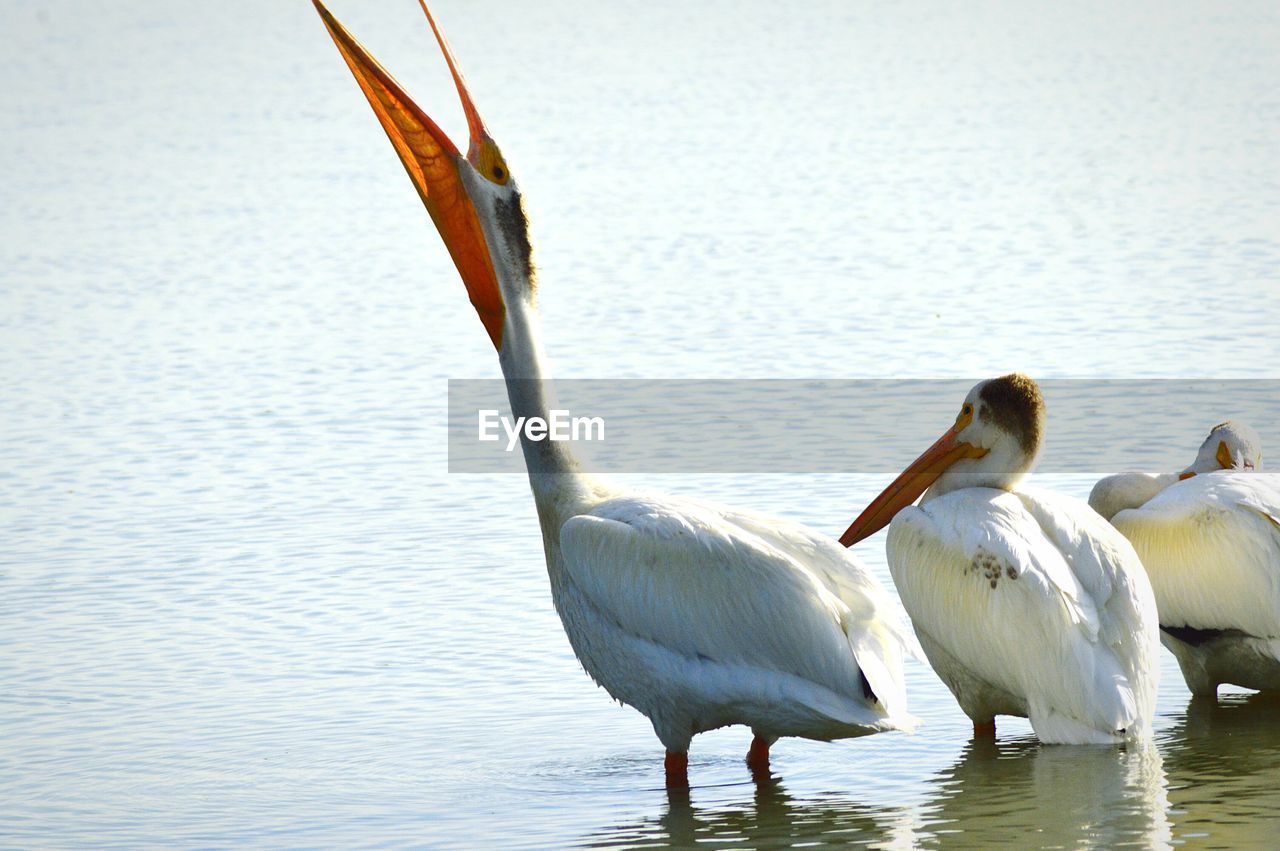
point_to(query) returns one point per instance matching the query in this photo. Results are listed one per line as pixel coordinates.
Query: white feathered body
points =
(697, 616)
(1028, 603)
(1211, 545)
(1115, 493)
(701, 617)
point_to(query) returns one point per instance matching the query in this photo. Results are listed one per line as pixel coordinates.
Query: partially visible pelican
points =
(1229, 446)
(1211, 545)
(1026, 602)
(696, 615)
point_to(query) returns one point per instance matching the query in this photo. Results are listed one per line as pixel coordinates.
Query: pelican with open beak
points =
(1026, 602)
(698, 616)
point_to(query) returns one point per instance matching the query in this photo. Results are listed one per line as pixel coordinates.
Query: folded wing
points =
(1211, 545)
(1034, 595)
(738, 589)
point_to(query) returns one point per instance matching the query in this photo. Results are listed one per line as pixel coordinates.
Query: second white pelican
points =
(698, 616)
(1211, 545)
(1230, 446)
(1025, 601)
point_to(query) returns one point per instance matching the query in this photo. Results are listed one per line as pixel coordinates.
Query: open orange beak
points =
(912, 482)
(433, 164)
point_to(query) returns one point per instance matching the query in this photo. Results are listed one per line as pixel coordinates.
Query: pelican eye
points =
(488, 160)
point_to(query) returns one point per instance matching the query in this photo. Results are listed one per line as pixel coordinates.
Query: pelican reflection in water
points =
(1015, 793)
(770, 818)
(1221, 757)
(1022, 794)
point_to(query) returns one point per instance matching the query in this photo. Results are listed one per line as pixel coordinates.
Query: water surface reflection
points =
(770, 818)
(1221, 757)
(243, 601)
(1210, 777)
(1012, 793)
(1024, 794)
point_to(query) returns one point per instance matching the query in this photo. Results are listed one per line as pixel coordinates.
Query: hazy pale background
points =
(241, 601)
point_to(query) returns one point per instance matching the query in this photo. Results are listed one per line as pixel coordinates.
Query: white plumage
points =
(1230, 445)
(696, 615)
(700, 617)
(1211, 546)
(1027, 603)
(1115, 493)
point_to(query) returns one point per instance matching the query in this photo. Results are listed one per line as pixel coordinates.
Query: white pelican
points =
(1026, 602)
(1211, 545)
(696, 615)
(1229, 446)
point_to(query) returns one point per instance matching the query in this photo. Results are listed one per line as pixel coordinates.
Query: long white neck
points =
(558, 483)
(560, 489)
(530, 389)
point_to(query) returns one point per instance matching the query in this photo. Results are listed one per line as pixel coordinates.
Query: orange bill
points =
(475, 124)
(432, 162)
(912, 482)
(1223, 456)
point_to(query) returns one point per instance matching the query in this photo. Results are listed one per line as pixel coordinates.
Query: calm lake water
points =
(243, 602)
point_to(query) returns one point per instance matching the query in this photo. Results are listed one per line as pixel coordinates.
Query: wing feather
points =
(1113, 494)
(872, 621)
(732, 588)
(1036, 596)
(1211, 545)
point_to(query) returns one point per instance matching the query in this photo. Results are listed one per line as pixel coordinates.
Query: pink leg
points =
(677, 765)
(758, 754)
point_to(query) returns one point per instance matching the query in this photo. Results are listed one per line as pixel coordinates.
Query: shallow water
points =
(242, 601)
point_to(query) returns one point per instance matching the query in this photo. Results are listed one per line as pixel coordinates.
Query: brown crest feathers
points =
(1017, 406)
